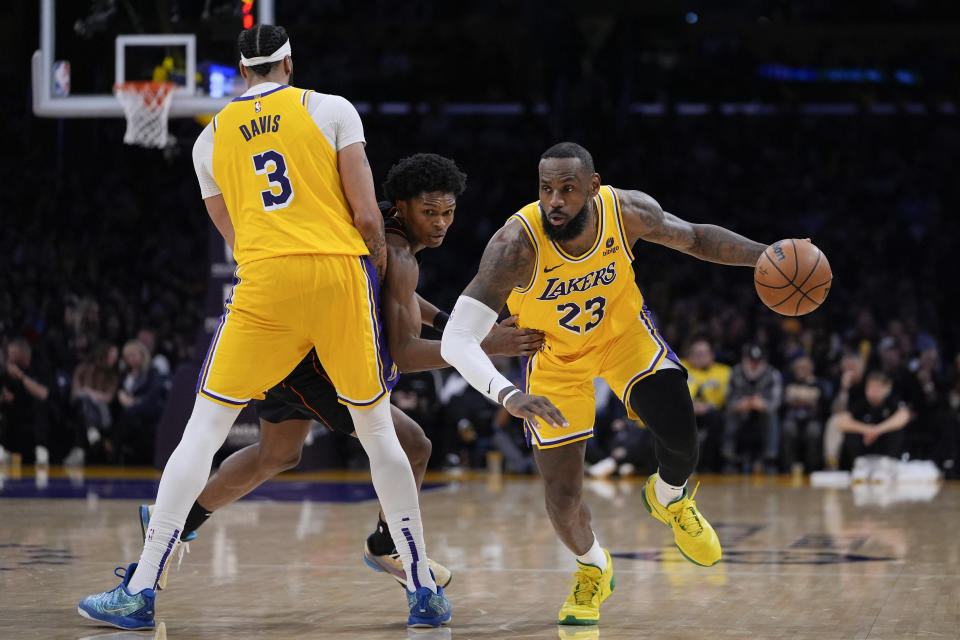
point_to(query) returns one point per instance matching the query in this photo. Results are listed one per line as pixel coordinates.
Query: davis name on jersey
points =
(263, 124)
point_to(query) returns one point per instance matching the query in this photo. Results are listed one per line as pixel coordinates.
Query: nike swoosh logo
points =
(549, 269)
(124, 610)
(489, 384)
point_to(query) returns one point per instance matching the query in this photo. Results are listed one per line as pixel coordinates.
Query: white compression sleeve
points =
(395, 486)
(469, 323)
(184, 477)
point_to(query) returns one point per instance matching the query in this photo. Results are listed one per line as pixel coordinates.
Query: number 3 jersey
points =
(581, 303)
(272, 153)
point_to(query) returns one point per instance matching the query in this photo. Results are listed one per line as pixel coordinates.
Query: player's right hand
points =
(531, 407)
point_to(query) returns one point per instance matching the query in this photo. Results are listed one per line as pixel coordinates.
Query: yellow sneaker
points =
(694, 536)
(590, 589)
(579, 633)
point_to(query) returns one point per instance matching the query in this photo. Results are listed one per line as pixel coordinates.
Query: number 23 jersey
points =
(272, 153)
(581, 303)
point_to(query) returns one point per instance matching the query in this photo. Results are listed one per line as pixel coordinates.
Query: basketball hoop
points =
(146, 106)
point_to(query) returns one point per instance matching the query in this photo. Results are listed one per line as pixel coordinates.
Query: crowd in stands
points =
(103, 272)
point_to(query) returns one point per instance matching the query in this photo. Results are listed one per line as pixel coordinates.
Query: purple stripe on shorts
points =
(208, 359)
(664, 351)
(416, 557)
(551, 443)
(232, 403)
(383, 351)
(525, 385)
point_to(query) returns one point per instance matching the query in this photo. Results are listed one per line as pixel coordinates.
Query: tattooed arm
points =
(508, 262)
(357, 180)
(644, 218)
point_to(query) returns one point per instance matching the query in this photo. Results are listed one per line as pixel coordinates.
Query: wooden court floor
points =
(799, 563)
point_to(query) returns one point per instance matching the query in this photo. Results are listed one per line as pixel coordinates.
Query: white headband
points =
(279, 54)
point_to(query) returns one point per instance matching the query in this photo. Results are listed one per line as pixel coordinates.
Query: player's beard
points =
(573, 228)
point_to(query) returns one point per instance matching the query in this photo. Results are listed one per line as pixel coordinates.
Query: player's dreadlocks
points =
(423, 173)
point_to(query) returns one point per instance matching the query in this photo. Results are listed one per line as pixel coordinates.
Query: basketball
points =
(793, 277)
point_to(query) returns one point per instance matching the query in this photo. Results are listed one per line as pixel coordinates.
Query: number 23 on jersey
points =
(594, 308)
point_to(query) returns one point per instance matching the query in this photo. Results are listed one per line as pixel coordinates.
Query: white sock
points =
(594, 556)
(667, 493)
(183, 479)
(395, 486)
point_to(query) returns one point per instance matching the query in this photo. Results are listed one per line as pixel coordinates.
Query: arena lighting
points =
(247, 11)
(786, 73)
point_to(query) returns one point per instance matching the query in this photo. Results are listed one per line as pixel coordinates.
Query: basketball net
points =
(146, 106)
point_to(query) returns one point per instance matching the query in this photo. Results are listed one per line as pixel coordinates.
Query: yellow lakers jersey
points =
(709, 385)
(279, 179)
(580, 302)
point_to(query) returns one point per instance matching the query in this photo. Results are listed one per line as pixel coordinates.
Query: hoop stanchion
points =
(146, 106)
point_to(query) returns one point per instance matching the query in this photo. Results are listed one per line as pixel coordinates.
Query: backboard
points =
(187, 42)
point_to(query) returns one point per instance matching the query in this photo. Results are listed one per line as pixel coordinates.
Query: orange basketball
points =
(792, 277)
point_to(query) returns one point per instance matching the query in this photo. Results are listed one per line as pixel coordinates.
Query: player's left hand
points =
(507, 339)
(530, 407)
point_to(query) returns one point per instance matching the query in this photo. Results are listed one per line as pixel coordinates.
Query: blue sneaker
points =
(428, 609)
(119, 607)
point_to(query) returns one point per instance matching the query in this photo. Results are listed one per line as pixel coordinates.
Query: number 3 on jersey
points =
(273, 164)
(570, 310)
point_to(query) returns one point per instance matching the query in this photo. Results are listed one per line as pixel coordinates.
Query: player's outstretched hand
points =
(507, 339)
(530, 407)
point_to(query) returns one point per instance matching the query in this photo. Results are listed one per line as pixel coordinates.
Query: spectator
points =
(932, 434)
(849, 391)
(629, 441)
(25, 403)
(708, 381)
(94, 389)
(953, 415)
(891, 362)
(874, 424)
(157, 360)
(141, 399)
(752, 429)
(805, 402)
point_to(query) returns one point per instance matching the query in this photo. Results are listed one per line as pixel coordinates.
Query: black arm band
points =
(440, 321)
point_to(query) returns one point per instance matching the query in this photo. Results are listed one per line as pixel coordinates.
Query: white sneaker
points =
(41, 456)
(603, 468)
(75, 458)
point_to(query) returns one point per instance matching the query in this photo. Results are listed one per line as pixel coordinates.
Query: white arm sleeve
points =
(470, 322)
(203, 163)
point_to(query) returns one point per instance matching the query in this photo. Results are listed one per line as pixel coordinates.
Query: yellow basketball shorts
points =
(568, 382)
(279, 308)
